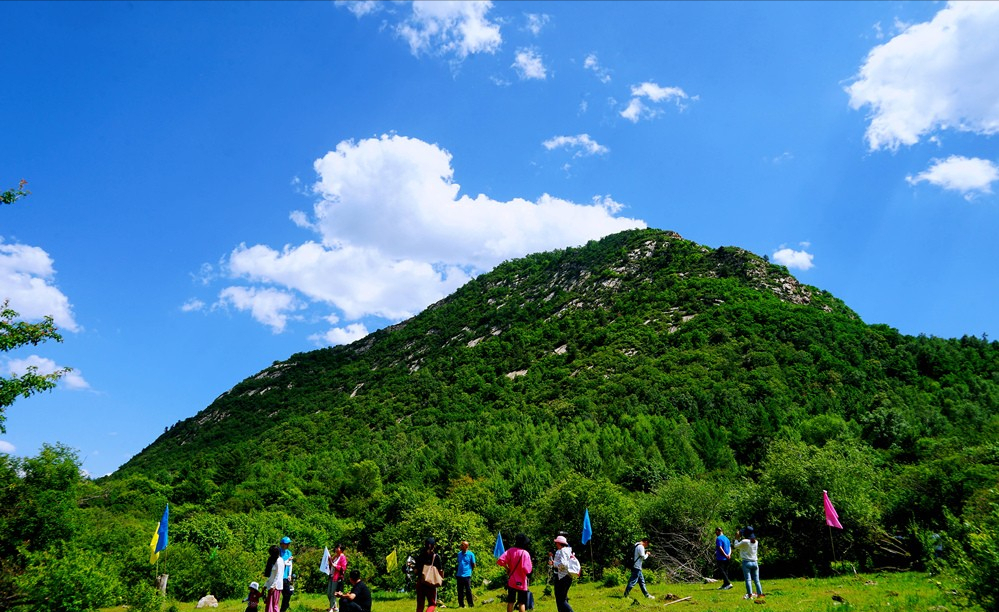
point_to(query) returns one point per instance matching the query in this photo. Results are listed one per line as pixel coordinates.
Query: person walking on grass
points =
(639, 557)
(748, 547)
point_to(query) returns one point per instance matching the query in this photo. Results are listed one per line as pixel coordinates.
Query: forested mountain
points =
(663, 385)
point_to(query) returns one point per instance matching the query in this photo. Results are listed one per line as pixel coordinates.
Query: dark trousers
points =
(722, 565)
(562, 594)
(425, 593)
(285, 596)
(349, 605)
(464, 590)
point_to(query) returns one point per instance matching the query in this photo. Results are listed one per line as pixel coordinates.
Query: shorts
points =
(517, 596)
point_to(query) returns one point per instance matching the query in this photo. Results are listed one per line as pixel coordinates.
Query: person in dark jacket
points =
(426, 594)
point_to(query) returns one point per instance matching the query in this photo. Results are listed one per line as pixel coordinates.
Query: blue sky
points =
(216, 186)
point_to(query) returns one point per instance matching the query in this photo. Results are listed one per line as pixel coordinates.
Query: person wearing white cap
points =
(253, 597)
(561, 561)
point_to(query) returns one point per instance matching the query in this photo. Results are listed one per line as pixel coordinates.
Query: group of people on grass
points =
(748, 547)
(518, 564)
(516, 560)
(279, 586)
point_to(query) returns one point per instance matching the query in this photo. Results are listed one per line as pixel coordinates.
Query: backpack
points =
(629, 558)
(572, 566)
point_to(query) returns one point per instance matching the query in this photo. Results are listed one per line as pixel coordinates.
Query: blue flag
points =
(587, 530)
(498, 550)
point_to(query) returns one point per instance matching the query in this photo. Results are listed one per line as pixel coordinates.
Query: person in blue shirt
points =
(466, 563)
(287, 587)
(723, 554)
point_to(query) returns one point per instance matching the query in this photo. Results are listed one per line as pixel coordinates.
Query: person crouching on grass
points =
(359, 598)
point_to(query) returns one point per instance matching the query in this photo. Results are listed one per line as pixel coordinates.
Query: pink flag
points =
(832, 519)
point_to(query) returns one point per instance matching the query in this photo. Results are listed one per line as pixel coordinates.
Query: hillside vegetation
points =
(665, 386)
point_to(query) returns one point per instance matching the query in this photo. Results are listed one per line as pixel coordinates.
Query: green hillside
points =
(663, 385)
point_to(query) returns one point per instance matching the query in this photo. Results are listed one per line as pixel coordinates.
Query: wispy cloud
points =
(360, 8)
(536, 22)
(933, 76)
(529, 65)
(581, 144)
(970, 176)
(593, 64)
(7, 447)
(648, 92)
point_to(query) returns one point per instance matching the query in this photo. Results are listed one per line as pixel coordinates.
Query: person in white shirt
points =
(748, 547)
(275, 579)
(636, 568)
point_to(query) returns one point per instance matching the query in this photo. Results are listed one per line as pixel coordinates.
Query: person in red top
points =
(517, 561)
(338, 569)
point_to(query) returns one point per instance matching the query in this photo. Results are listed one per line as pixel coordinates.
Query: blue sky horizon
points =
(216, 186)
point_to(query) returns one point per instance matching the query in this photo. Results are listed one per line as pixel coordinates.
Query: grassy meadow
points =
(909, 592)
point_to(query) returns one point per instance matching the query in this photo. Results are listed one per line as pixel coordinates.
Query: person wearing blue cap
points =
(288, 586)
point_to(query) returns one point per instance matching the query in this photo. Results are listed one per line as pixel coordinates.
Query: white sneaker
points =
(747, 596)
(650, 596)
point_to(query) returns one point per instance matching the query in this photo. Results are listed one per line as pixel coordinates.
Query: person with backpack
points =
(639, 555)
(566, 566)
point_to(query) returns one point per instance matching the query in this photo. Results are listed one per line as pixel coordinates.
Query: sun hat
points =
(562, 540)
(255, 586)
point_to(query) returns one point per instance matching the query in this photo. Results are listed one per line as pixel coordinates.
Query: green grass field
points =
(910, 592)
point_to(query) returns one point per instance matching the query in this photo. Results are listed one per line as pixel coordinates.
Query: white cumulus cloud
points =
(644, 93)
(266, 305)
(794, 260)
(529, 65)
(26, 277)
(968, 175)
(451, 27)
(937, 75)
(7, 447)
(43, 366)
(581, 144)
(342, 335)
(394, 235)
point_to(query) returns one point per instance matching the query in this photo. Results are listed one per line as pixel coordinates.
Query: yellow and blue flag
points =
(159, 537)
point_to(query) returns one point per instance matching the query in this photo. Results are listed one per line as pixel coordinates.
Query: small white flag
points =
(324, 565)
